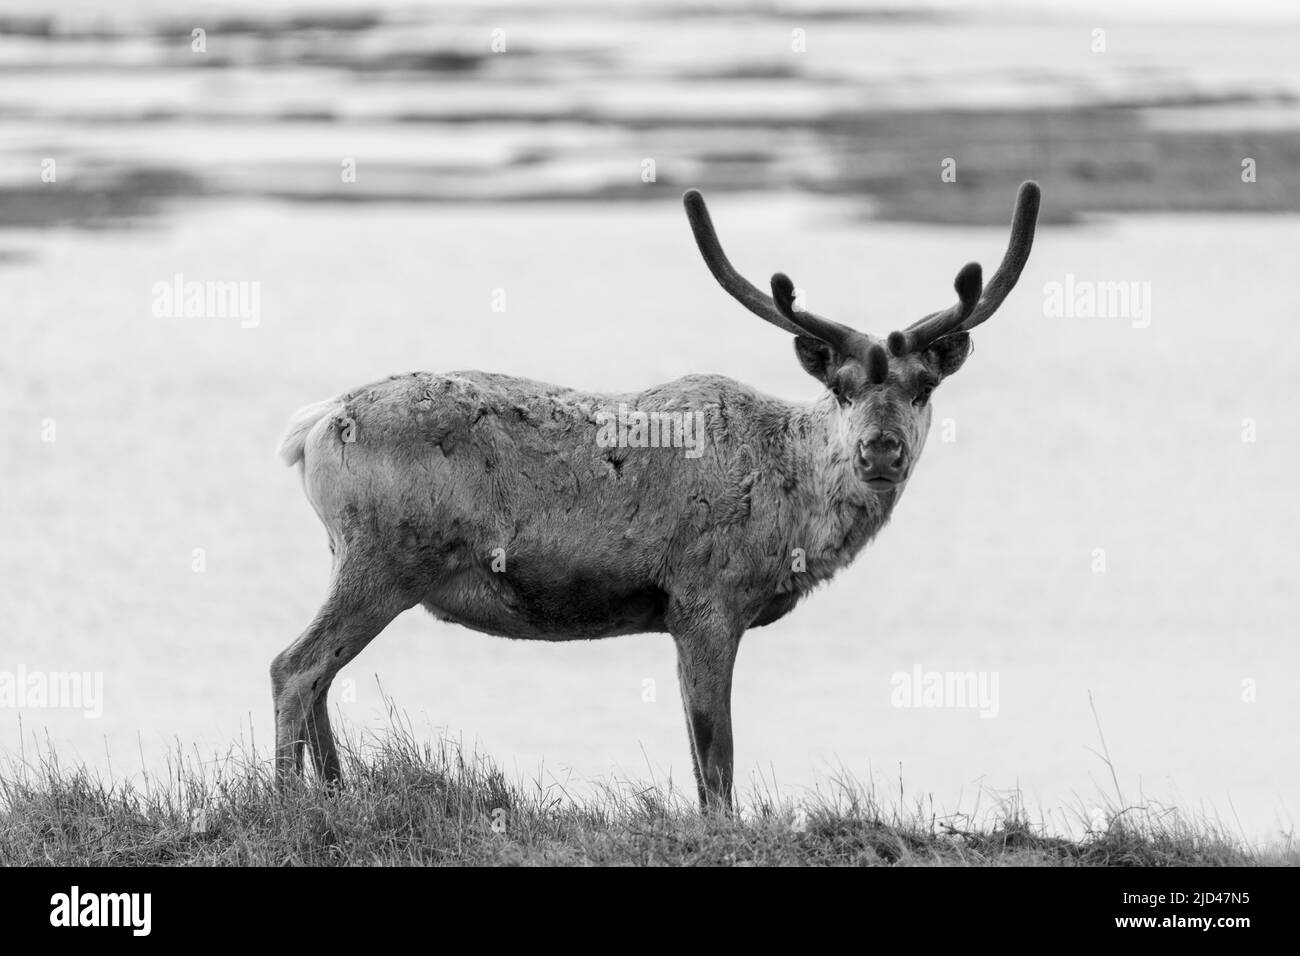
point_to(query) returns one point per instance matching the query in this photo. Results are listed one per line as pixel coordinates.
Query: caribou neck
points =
(837, 514)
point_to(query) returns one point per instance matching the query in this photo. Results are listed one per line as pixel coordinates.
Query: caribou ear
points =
(948, 353)
(817, 358)
(844, 377)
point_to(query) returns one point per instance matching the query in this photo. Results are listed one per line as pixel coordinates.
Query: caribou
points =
(498, 503)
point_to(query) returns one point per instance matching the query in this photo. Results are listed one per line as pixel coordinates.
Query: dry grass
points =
(409, 802)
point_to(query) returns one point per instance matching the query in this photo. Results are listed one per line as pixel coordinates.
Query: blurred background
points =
(496, 186)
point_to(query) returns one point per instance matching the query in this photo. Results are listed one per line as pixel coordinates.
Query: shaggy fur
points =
(488, 500)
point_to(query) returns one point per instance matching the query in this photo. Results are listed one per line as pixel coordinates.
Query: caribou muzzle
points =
(883, 461)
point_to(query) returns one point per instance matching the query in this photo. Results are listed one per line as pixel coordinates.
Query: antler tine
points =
(918, 336)
(846, 340)
(732, 281)
(1023, 221)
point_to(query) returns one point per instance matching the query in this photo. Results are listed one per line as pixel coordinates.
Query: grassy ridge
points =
(413, 803)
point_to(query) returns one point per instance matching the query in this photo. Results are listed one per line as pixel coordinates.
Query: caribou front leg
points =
(706, 656)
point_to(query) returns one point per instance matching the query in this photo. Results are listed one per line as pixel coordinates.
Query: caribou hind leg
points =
(359, 606)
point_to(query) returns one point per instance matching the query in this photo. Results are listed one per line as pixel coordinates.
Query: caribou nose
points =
(883, 457)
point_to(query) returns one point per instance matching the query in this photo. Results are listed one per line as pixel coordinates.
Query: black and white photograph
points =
(650, 433)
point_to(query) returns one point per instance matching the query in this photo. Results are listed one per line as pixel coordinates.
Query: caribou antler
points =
(965, 316)
(918, 336)
(732, 281)
(779, 310)
(975, 301)
(1004, 280)
(845, 340)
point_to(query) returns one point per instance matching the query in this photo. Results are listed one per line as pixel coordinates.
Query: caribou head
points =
(882, 387)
